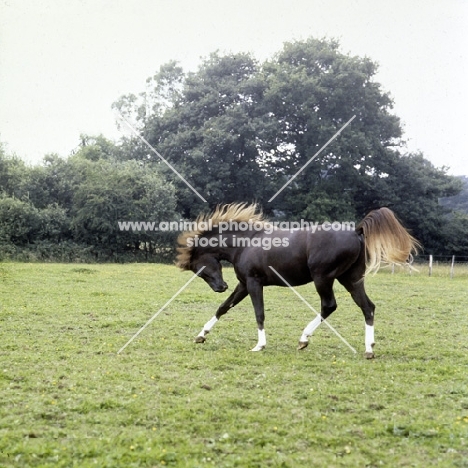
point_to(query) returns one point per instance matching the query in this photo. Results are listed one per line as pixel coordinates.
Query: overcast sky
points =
(63, 63)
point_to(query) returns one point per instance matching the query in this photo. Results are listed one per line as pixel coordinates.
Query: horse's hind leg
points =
(328, 304)
(358, 293)
(255, 289)
(239, 293)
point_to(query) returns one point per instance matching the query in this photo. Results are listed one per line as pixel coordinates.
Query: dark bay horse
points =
(263, 256)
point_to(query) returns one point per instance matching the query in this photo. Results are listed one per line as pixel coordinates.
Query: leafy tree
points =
(12, 174)
(111, 193)
(19, 221)
(453, 235)
(79, 201)
(206, 125)
(412, 186)
(458, 202)
(313, 90)
(239, 130)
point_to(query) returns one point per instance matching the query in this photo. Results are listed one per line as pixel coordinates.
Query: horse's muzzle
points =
(220, 288)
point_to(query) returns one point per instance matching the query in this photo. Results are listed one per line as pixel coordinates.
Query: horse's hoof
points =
(302, 345)
(369, 355)
(258, 348)
(200, 339)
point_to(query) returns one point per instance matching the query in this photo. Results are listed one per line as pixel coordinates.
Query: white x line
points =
(161, 309)
(312, 158)
(311, 308)
(160, 156)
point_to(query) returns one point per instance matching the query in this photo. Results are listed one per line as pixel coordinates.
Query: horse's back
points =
(301, 256)
(331, 253)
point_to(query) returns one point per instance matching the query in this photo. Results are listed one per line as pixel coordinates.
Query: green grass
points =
(67, 399)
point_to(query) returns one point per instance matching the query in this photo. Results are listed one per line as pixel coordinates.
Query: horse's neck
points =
(230, 251)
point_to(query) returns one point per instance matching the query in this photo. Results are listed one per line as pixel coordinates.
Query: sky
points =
(63, 63)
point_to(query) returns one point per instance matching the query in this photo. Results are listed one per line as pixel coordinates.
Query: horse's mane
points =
(236, 212)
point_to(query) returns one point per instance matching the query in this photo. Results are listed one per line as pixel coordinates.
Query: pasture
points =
(67, 398)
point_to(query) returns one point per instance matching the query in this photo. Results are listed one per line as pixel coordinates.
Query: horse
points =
(263, 254)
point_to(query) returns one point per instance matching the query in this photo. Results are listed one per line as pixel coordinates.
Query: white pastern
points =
(369, 340)
(261, 341)
(208, 326)
(310, 329)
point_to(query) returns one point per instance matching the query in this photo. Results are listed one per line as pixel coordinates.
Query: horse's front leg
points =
(255, 289)
(239, 293)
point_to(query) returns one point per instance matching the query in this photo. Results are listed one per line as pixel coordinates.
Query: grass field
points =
(67, 398)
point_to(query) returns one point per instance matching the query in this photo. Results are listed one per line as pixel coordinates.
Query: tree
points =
(313, 90)
(111, 193)
(458, 202)
(77, 203)
(19, 221)
(412, 187)
(206, 125)
(238, 130)
(13, 172)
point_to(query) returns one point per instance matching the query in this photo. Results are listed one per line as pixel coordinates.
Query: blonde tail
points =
(386, 240)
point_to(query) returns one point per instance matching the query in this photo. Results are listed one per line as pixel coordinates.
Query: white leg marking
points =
(261, 341)
(208, 326)
(369, 340)
(310, 329)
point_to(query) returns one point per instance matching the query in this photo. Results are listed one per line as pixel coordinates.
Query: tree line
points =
(237, 129)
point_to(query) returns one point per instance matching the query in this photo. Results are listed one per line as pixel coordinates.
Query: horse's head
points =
(212, 273)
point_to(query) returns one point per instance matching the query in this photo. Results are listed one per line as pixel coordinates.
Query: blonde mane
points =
(236, 212)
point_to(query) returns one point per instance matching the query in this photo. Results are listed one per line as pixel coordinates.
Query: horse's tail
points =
(386, 240)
